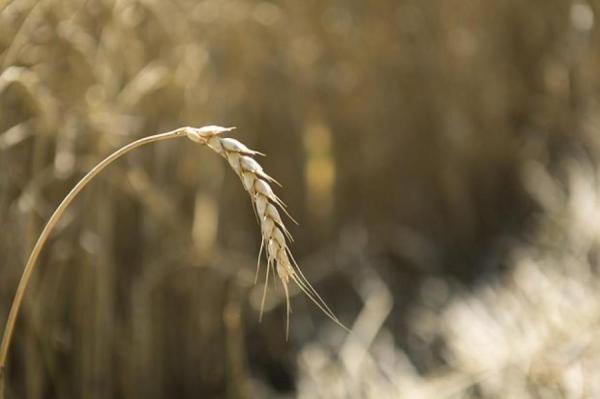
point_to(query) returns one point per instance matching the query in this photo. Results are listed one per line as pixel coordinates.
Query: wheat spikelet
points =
(275, 235)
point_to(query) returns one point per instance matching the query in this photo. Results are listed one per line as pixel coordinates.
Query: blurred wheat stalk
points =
(254, 180)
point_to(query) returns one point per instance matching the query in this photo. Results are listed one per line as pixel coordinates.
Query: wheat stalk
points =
(255, 181)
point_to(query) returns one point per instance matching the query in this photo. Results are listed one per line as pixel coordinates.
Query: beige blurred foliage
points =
(442, 158)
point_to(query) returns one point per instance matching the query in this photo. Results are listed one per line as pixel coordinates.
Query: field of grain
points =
(442, 159)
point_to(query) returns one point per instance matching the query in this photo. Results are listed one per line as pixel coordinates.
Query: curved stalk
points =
(31, 262)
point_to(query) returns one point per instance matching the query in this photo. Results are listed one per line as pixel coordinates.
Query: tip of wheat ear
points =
(274, 234)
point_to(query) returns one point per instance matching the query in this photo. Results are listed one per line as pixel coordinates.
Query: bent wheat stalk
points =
(255, 181)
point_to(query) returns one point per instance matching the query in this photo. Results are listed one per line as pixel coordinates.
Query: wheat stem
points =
(31, 262)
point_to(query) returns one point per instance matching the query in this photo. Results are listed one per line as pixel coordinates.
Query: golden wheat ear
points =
(274, 234)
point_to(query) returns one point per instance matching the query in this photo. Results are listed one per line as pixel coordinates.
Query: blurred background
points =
(442, 158)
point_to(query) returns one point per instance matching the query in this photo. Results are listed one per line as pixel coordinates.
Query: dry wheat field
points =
(408, 208)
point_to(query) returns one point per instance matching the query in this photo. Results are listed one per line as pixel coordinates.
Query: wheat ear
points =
(255, 181)
(274, 234)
